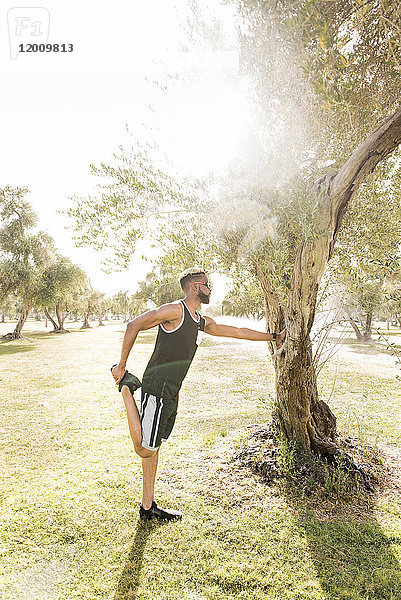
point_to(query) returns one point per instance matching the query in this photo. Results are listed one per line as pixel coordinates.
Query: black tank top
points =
(172, 356)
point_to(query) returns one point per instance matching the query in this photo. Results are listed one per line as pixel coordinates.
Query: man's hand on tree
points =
(281, 335)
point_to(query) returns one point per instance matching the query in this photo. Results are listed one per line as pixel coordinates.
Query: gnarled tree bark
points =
(302, 417)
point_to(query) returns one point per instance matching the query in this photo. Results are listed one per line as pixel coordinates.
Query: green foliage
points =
(338, 479)
(60, 282)
(367, 258)
(120, 304)
(244, 299)
(265, 231)
(286, 454)
(319, 76)
(8, 305)
(350, 51)
(127, 306)
(24, 253)
(160, 286)
(128, 206)
(30, 267)
(99, 305)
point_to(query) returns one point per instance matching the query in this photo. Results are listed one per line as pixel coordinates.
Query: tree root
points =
(13, 336)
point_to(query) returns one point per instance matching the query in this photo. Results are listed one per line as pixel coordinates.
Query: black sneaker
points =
(154, 512)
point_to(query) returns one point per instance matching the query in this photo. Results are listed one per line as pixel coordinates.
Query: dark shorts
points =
(157, 419)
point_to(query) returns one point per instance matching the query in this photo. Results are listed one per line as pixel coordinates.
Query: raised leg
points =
(134, 423)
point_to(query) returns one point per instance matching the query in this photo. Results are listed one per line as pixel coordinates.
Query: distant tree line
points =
(36, 278)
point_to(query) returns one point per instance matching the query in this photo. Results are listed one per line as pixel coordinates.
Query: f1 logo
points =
(30, 24)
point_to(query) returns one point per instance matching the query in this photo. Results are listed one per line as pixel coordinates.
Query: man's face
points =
(204, 291)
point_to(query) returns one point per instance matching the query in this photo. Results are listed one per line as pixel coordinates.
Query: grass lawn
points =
(71, 482)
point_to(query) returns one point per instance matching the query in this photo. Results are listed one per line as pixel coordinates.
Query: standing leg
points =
(149, 508)
(149, 468)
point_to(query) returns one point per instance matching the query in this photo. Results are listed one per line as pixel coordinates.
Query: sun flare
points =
(205, 124)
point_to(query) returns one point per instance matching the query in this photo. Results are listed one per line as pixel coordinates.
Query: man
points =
(180, 327)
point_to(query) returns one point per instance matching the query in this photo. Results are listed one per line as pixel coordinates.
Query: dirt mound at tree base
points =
(358, 468)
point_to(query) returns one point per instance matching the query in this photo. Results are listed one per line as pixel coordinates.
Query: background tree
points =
(160, 286)
(367, 254)
(8, 307)
(24, 252)
(86, 302)
(61, 283)
(121, 305)
(244, 299)
(393, 298)
(100, 305)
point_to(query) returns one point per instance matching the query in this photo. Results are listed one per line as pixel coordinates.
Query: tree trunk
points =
(60, 318)
(3, 318)
(16, 334)
(86, 324)
(22, 319)
(358, 332)
(367, 334)
(301, 416)
(50, 318)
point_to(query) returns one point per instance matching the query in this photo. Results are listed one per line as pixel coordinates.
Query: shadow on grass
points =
(43, 335)
(27, 343)
(7, 348)
(128, 583)
(368, 350)
(372, 348)
(352, 556)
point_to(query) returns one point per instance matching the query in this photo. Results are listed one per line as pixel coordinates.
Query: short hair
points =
(189, 275)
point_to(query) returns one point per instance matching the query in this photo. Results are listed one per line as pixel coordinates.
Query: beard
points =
(204, 298)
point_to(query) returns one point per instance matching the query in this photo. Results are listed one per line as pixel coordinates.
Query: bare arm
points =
(167, 312)
(242, 333)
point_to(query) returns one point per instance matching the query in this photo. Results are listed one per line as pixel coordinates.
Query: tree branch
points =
(365, 158)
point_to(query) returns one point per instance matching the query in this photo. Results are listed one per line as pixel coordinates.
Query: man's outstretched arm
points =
(167, 312)
(241, 333)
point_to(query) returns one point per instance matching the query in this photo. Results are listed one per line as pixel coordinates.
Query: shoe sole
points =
(150, 518)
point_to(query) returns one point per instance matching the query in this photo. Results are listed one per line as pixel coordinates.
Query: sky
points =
(62, 111)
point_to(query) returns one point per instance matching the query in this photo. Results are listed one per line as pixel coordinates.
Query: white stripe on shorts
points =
(151, 413)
